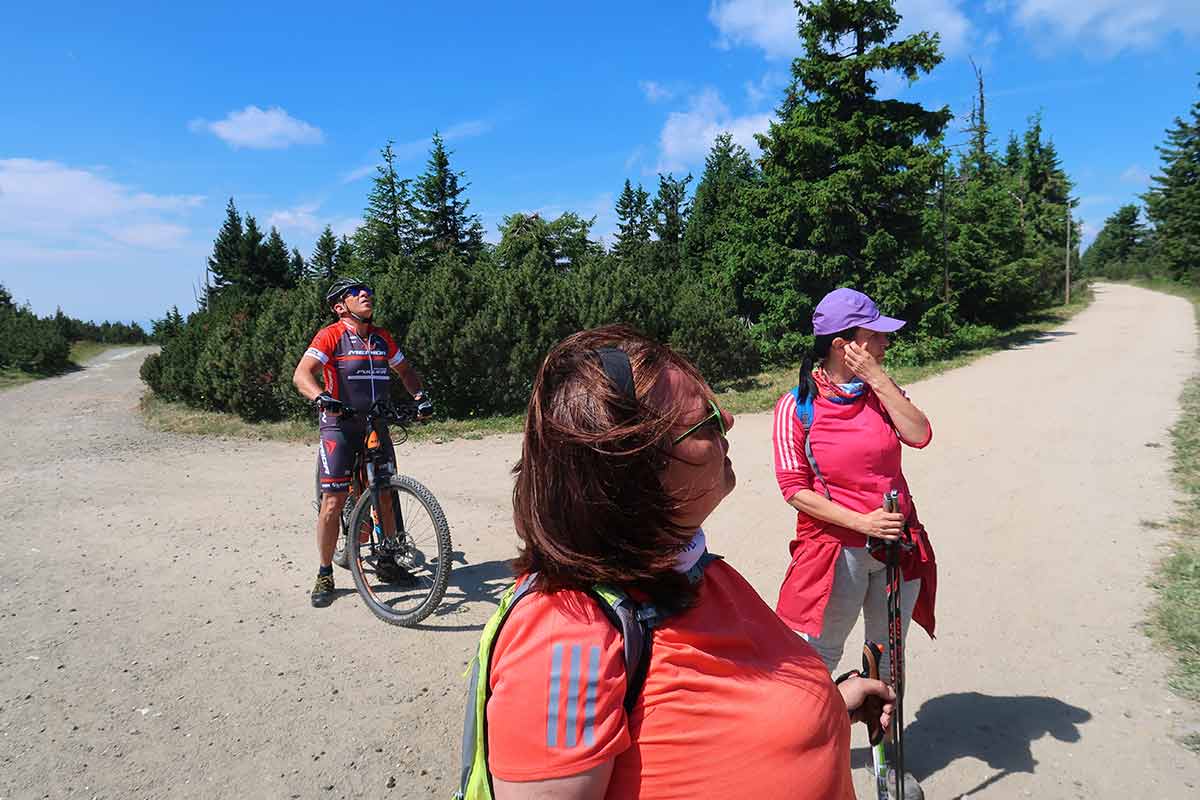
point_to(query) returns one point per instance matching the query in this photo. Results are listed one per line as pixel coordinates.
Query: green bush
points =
(151, 372)
(31, 343)
(449, 341)
(718, 343)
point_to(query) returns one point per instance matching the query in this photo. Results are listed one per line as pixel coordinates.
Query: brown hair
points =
(588, 504)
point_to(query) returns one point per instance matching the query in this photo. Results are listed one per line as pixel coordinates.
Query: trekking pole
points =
(895, 623)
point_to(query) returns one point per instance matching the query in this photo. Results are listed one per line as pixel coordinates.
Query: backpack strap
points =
(637, 622)
(475, 780)
(805, 414)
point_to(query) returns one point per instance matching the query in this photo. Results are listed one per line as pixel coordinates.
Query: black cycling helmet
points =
(340, 287)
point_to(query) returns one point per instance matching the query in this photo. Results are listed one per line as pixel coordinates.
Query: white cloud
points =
(769, 87)
(301, 224)
(1113, 25)
(466, 130)
(655, 91)
(301, 218)
(358, 173)
(345, 226)
(51, 202)
(151, 235)
(687, 136)
(254, 128)
(100, 248)
(771, 24)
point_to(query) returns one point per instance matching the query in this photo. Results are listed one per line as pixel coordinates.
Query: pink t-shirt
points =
(857, 451)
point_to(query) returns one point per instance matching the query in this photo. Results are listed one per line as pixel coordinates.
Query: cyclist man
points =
(354, 358)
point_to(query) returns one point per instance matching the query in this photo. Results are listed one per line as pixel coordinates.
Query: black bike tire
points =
(441, 580)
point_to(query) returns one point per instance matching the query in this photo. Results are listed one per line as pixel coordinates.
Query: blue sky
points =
(126, 127)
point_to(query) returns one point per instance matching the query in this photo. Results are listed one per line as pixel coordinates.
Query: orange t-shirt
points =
(735, 704)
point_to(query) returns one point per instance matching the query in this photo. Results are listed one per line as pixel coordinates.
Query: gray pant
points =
(858, 585)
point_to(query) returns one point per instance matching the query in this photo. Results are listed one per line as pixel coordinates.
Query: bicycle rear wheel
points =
(419, 553)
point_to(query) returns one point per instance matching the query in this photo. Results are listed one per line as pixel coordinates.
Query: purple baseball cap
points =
(846, 308)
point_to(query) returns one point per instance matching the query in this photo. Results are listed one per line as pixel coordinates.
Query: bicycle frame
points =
(373, 466)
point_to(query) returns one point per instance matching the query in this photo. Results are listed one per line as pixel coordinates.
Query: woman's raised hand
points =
(880, 524)
(863, 364)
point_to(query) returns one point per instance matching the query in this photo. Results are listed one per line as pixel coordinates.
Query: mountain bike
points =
(400, 561)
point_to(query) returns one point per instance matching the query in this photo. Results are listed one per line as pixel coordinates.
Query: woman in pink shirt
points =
(859, 418)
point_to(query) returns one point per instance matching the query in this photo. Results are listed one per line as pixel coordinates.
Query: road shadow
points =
(996, 730)
(483, 582)
(1025, 340)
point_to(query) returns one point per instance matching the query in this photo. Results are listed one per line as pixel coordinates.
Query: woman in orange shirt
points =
(624, 457)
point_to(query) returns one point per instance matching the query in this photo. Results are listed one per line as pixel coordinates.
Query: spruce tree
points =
(276, 263)
(633, 224)
(297, 268)
(346, 261)
(1118, 247)
(846, 178)
(728, 169)
(443, 224)
(1013, 156)
(388, 227)
(669, 215)
(1173, 202)
(253, 258)
(225, 265)
(322, 266)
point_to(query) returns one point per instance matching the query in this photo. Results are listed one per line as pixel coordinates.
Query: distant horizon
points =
(110, 212)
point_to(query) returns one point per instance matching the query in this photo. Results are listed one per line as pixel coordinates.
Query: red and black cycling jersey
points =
(357, 369)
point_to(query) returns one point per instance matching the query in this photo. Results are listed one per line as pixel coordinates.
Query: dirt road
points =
(156, 638)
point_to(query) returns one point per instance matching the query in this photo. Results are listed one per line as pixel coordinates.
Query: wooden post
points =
(1067, 293)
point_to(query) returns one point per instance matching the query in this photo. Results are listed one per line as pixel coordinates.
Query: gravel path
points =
(157, 640)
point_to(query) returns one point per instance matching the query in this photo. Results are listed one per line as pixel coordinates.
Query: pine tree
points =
(388, 228)
(322, 265)
(1173, 202)
(225, 265)
(443, 224)
(633, 224)
(846, 178)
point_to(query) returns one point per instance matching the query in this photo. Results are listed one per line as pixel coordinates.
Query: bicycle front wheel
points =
(401, 577)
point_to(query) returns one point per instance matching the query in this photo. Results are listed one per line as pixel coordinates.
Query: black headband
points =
(618, 369)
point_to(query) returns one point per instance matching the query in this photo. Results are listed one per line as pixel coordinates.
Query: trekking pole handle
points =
(872, 653)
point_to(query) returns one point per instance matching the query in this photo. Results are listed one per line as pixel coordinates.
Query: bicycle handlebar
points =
(399, 414)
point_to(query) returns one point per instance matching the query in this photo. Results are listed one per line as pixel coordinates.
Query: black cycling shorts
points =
(336, 453)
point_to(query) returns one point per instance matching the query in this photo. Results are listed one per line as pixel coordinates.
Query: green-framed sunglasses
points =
(716, 417)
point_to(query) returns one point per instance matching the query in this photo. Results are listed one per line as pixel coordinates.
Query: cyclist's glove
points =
(327, 402)
(424, 405)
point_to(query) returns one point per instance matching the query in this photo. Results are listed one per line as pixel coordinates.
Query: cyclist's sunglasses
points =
(355, 291)
(716, 418)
